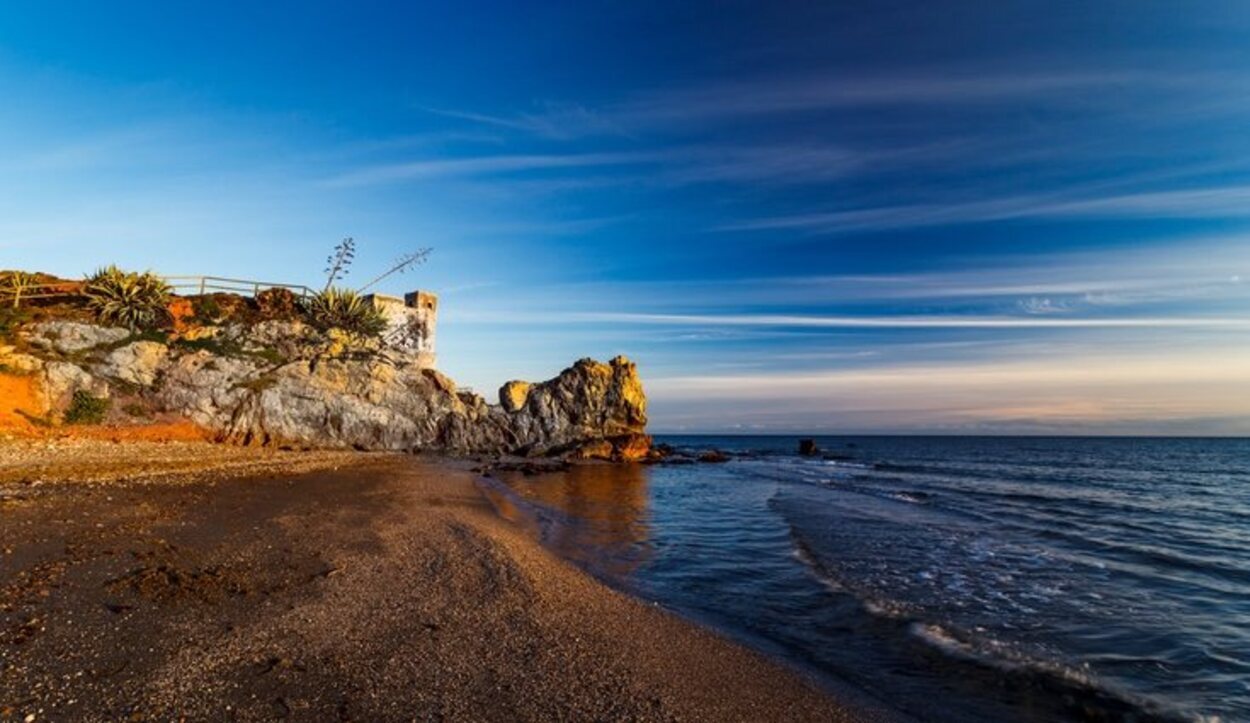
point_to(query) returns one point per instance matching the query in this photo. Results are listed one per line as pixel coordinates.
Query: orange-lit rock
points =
(180, 314)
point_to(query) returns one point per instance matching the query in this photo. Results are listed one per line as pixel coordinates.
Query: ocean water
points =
(957, 579)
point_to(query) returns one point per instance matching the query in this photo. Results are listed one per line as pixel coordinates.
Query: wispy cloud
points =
(913, 322)
(1044, 305)
(663, 167)
(833, 90)
(1201, 277)
(1225, 201)
(484, 165)
(841, 90)
(557, 121)
(1075, 394)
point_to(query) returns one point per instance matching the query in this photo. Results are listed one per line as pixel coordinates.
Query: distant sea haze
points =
(1028, 579)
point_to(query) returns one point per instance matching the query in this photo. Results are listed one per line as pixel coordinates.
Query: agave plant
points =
(347, 310)
(127, 298)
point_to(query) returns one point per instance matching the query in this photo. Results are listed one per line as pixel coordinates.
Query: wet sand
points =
(385, 589)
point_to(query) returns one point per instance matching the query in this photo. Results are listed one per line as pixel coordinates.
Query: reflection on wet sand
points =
(595, 515)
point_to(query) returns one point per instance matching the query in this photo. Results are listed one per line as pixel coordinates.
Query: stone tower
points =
(411, 323)
(425, 306)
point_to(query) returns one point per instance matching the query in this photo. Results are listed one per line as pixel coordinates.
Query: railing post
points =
(201, 286)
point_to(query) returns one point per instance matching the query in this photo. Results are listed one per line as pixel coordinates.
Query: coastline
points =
(372, 587)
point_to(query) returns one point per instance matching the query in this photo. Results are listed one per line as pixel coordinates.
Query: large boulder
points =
(513, 395)
(62, 379)
(70, 337)
(586, 404)
(136, 363)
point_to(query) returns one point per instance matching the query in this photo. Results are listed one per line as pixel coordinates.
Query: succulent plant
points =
(127, 298)
(346, 310)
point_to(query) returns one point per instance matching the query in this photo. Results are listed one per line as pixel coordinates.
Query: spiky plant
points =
(338, 264)
(344, 309)
(127, 298)
(15, 284)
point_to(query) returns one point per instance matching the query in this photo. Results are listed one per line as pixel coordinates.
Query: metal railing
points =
(245, 287)
(42, 291)
(186, 285)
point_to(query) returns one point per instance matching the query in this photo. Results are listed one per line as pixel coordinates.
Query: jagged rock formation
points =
(284, 383)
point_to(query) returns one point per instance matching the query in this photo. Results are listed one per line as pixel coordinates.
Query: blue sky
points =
(1014, 217)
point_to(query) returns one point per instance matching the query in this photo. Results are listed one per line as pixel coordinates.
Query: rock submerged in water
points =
(285, 384)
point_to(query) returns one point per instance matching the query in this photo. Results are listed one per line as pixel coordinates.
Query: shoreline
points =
(496, 485)
(374, 587)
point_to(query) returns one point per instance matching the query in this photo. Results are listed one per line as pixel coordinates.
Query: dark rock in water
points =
(658, 453)
(526, 467)
(835, 457)
(808, 448)
(713, 456)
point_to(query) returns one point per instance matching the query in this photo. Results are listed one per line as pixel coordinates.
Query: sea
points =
(952, 578)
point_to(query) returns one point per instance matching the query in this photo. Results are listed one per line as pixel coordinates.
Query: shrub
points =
(346, 310)
(278, 303)
(15, 284)
(86, 408)
(127, 298)
(134, 409)
(207, 312)
(11, 320)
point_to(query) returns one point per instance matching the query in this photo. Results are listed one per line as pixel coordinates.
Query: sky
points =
(842, 217)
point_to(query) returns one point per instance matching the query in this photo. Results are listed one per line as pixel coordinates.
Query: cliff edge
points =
(286, 384)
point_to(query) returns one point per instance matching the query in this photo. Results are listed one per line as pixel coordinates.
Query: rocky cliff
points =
(286, 384)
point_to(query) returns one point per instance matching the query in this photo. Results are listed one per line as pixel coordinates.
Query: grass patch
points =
(229, 348)
(134, 409)
(86, 408)
(259, 384)
(11, 320)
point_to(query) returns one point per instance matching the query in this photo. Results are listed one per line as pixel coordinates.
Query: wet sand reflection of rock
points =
(596, 515)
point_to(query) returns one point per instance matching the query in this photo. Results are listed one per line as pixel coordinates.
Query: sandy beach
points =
(213, 583)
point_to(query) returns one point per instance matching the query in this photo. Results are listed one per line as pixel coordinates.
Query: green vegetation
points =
(207, 311)
(230, 348)
(134, 409)
(15, 284)
(11, 320)
(259, 384)
(127, 298)
(278, 303)
(345, 310)
(86, 408)
(157, 335)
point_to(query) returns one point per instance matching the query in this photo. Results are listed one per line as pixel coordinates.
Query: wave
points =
(1085, 693)
(914, 497)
